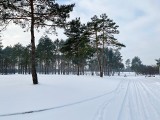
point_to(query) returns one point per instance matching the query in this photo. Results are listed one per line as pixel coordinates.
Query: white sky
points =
(139, 22)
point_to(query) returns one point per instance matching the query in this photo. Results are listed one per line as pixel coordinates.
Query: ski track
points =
(153, 86)
(141, 101)
(101, 111)
(153, 99)
(134, 100)
(101, 114)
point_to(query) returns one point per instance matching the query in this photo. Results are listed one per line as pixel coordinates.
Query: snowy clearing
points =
(69, 97)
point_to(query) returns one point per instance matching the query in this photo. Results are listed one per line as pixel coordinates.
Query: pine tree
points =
(128, 67)
(1, 46)
(45, 52)
(34, 14)
(102, 34)
(17, 55)
(77, 48)
(158, 64)
(1, 59)
(136, 64)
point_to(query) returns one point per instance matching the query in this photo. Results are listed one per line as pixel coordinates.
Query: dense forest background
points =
(52, 59)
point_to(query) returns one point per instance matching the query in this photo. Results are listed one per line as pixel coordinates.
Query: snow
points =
(71, 97)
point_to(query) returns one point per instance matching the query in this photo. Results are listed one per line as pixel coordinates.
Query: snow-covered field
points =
(69, 97)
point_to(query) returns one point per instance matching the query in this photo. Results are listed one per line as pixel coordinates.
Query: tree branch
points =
(6, 24)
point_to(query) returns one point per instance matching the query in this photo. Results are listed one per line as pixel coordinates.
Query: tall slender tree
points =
(77, 45)
(1, 55)
(18, 51)
(158, 64)
(1, 42)
(7, 60)
(102, 34)
(57, 55)
(136, 64)
(27, 59)
(34, 14)
(45, 52)
(128, 65)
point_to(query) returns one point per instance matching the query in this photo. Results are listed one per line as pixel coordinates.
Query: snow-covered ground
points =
(69, 97)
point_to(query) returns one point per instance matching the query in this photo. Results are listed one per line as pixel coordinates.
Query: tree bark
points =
(78, 69)
(98, 57)
(34, 73)
(103, 54)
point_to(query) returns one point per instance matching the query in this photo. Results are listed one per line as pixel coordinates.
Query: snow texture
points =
(69, 97)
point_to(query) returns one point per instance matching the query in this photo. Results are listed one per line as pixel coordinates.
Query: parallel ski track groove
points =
(124, 100)
(143, 100)
(101, 111)
(139, 101)
(150, 93)
(102, 108)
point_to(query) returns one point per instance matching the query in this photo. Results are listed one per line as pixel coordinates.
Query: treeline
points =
(139, 68)
(54, 58)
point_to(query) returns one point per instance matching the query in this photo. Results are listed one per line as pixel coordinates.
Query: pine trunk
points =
(34, 74)
(98, 57)
(77, 69)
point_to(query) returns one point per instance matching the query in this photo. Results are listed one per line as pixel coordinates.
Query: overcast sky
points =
(138, 20)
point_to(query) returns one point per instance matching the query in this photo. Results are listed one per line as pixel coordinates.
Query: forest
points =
(52, 59)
